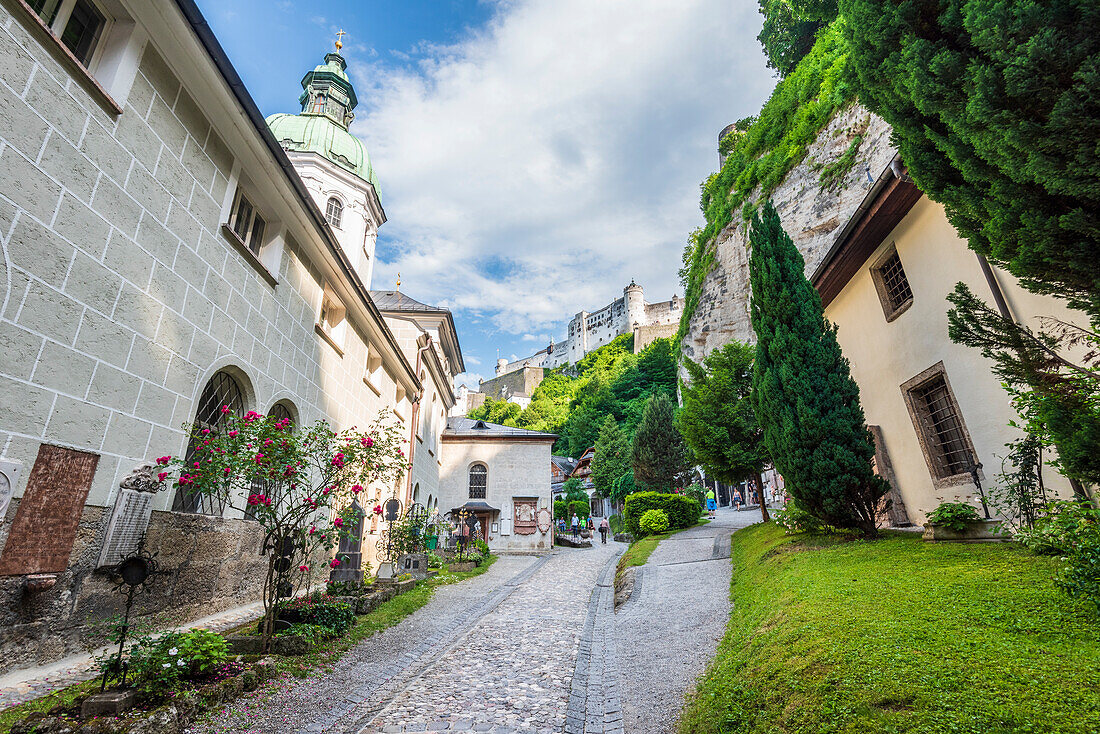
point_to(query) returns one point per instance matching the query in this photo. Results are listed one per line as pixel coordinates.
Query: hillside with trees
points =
(576, 401)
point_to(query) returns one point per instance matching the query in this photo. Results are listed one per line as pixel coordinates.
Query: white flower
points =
(174, 651)
(165, 665)
(181, 662)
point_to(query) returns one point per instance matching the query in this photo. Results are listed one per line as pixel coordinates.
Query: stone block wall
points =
(120, 297)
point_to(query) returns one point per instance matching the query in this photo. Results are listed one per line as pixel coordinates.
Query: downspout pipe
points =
(414, 416)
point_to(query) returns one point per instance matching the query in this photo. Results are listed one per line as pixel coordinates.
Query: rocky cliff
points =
(815, 200)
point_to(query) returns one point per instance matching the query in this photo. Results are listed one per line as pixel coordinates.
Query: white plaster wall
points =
(517, 469)
(120, 296)
(885, 355)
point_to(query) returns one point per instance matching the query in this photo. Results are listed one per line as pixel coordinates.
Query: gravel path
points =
(670, 627)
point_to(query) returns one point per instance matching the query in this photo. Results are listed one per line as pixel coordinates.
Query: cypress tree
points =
(717, 418)
(995, 108)
(612, 457)
(804, 395)
(658, 454)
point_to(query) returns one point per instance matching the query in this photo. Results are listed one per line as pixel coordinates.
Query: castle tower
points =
(332, 162)
(635, 306)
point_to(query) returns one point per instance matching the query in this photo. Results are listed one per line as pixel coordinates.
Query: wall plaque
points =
(46, 522)
(524, 517)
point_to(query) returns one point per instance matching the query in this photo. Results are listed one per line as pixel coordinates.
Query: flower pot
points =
(982, 531)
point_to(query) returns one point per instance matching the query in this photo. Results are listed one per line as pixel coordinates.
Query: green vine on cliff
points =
(799, 107)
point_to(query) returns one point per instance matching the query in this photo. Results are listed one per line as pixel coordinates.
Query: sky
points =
(533, 156)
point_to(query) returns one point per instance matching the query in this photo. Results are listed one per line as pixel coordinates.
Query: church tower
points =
(332, 162)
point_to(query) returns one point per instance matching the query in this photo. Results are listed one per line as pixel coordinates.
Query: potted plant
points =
(960, 521)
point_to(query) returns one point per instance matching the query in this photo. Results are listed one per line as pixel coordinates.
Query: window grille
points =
(221, 390)
(272, 489)
(478, 474)
(334, 212)
(942, 427)
(897, 285)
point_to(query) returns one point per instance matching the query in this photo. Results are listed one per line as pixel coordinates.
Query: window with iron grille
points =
(270, 488)
(892, 285)
(945, 441)
(222, 390)
(478, 475)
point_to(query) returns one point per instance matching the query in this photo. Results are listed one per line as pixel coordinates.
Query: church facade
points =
(165, 254)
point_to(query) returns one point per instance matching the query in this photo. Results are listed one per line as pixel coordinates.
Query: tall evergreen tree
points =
(995, 108)
(612, 458)
(717, 419)
(804, 395)
(658, 454)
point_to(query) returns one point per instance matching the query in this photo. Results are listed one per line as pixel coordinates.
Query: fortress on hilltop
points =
(589, 331)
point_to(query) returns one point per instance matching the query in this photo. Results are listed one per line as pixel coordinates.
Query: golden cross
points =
(339, 42)
(399, 281)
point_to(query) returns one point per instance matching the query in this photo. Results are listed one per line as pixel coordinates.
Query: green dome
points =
(319, 134)
(327, 100)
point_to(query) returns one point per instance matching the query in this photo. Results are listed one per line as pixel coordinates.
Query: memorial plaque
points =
(129, 522)
(9, 478)
(46, 522)
(546, 519)
(525, 517)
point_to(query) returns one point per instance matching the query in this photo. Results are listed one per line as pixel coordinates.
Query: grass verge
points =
(323, 656)
(897, 635)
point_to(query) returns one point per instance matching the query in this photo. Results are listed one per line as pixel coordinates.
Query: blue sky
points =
(533, 155)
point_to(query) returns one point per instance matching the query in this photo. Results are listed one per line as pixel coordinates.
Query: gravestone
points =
(9, 479)
(46, 522)
(414, 564)
(130, 518)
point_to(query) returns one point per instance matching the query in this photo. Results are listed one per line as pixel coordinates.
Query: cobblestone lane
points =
(527, 647)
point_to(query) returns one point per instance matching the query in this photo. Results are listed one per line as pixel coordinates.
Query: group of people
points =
(576, 523)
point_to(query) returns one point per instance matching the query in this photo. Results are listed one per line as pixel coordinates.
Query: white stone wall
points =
(517, 469)
(121, 296)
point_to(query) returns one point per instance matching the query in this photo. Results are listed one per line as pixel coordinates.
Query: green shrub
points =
(955, 515)
(681, 511)
(653, 522)
(318, 609)
(1072, 530)
(793, 519)
(580, 508)
(561, 510)
(158, 665)
(697, 493)
(435, 560)
(482, 548)
(615, 523)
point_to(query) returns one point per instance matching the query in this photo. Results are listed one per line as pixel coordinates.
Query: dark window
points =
(247, 223)
(478, 473)
(222, 390)
(945, 439)
(334, 212)
(893, 288)
(272, 489)
(81, 33)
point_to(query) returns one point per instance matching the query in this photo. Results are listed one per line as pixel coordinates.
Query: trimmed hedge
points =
(682, 511)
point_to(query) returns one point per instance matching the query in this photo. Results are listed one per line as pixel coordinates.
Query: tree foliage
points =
(995, 108)
(717, 419)
(790, 29)
(612, 457)
(805, 397)
(659, 456)
(1062, 397)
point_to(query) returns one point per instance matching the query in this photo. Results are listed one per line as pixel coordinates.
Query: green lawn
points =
(897, 635)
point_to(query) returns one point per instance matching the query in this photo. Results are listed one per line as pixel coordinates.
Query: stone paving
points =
(669, 629)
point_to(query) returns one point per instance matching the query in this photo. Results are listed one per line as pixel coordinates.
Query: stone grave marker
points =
(130, 518)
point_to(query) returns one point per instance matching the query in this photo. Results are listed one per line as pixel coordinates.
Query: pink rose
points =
(356, 488)
(334, 563)
(225, 409)
(162, 476)
(163, 461)
(233, 433)
(303, 569)
(338, 523)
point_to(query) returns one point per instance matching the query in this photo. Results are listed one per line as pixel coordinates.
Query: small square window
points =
(332, 321)
(79, 24)
(247, 223)
(892, 285)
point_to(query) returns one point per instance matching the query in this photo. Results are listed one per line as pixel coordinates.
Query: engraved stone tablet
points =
(129, 521)
(46, 522)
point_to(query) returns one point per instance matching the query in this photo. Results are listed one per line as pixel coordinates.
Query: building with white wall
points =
(499, 475)
(163, 257)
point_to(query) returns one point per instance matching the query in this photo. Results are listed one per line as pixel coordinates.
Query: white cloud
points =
(536, 337)
(471, 360)
(471, 380)
(536, 167)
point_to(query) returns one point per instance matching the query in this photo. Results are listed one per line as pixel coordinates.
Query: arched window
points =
(273, 489)
(416, 492)
(478, 474)
(350, 550)
(334, 212)
(221, 390)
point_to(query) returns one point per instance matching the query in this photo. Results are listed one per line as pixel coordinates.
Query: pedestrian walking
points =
(712, 503)
(737, 501)
(575, 523)
(605, 528)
